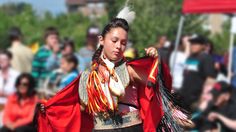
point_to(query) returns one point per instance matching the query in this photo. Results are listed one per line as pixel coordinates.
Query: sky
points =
(54, 6)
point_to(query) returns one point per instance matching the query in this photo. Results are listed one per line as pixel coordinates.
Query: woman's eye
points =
(124, 43)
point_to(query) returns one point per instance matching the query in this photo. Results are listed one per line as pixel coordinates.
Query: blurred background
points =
(75, 16)
(45, 45)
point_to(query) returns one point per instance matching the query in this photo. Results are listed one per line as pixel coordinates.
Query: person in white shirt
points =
(22, 56)
(177, 62)
(7, 76)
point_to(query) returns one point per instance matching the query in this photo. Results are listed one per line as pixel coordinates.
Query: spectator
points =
(7, 76)
(68, 47)
(39, 69)
(218, 62)
(199, 73)
(69, 67)
(60, 78)
(218, 109)
(178, 68)
(85, 53)
(163, 46)
(19, 111)
(22, 55)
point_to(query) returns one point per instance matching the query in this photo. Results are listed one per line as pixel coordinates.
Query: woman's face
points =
(23, 86)
(4, 61)
(114, 43)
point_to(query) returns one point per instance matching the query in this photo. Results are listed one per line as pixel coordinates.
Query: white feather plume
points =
(126, 14)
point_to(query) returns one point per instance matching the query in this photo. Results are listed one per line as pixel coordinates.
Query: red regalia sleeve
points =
(149, 98)
(62, 112)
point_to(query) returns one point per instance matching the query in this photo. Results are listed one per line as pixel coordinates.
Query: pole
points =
(180, 28)
(231, 43)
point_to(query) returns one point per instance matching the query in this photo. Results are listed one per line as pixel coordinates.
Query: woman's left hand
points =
(151, 51)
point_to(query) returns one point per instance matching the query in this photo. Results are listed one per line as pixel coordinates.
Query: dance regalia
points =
(63, 111)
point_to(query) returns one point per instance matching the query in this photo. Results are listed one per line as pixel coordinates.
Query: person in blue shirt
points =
(69, 68)
(63, 76)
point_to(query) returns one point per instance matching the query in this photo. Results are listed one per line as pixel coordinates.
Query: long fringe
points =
(172, 111)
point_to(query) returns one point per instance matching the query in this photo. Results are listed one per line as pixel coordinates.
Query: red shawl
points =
(62, 112)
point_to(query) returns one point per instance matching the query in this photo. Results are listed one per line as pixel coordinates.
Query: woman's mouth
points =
(117, 53)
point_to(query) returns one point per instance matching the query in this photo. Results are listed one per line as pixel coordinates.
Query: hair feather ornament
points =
(126, 14)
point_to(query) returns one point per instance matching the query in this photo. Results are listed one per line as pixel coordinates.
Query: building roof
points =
(75, 2)
(81, 2)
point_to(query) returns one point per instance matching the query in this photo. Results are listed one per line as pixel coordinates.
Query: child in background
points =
(62, 76)
(69, 68)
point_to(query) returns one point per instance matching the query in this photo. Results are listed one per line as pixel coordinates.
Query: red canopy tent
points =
(203, 7)
(209, 6)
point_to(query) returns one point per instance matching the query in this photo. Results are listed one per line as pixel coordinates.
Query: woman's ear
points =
(100, 39)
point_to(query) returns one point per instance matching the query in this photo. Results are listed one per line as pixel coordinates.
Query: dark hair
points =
(71, 59)
(31, 87)
(14, 34)
(114, 23)
(68, 42)
(7, 53)
(50, 31)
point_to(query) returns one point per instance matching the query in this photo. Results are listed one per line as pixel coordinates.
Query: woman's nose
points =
(118, 45)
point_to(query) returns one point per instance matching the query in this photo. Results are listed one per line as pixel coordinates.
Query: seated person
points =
(69, 68)
(217, 110)
(60, 78)
(20, 107)
(7, 77)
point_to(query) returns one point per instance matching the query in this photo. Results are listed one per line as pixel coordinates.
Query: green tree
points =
(155, 18)
(73, 25)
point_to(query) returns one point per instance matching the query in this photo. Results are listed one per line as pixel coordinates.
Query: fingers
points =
(147, 50)
(42, 108)
(152, 52)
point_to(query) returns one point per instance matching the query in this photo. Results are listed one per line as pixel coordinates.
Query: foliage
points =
(221, 40)
(155, 18)
(73, 25)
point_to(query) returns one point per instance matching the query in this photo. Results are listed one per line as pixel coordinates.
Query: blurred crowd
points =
(200, 81)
